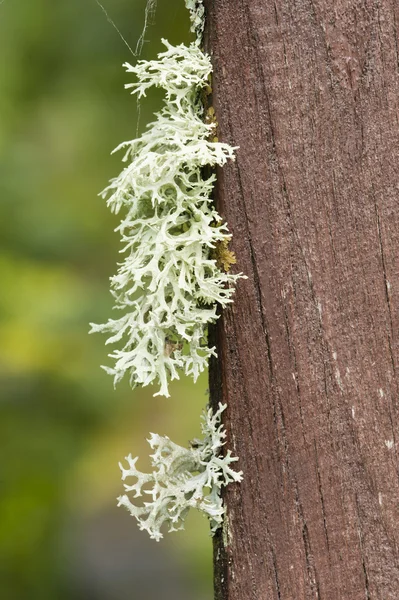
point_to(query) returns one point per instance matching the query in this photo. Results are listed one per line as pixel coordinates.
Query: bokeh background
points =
(63, 428)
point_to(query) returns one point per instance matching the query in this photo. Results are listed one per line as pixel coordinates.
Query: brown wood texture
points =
(308, 353)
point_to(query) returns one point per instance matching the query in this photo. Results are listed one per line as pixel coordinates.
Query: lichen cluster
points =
(182, 479)
(174, 274)
(169, 284)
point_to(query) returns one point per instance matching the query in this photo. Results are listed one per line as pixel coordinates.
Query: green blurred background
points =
(63, 428)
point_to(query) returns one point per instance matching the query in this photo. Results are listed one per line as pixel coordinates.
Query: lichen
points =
(197, 16)
(169, 284)
(182, 479)
(224, 257)
(174, 274)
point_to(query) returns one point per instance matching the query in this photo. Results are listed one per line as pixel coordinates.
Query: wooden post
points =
(308, 354)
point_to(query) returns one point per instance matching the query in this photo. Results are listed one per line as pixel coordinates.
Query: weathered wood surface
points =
(309, 356)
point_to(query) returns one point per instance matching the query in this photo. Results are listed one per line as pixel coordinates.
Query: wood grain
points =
(308, 354)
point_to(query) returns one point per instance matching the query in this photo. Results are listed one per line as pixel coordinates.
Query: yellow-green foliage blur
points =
(63, 428)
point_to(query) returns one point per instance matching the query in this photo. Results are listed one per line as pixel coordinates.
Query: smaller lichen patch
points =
(182, 479)
(223, 256)
(197, 16)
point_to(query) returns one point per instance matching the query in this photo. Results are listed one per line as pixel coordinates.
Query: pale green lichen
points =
(174, 275)
(197, 15)
(182, 479)
(169, 284)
